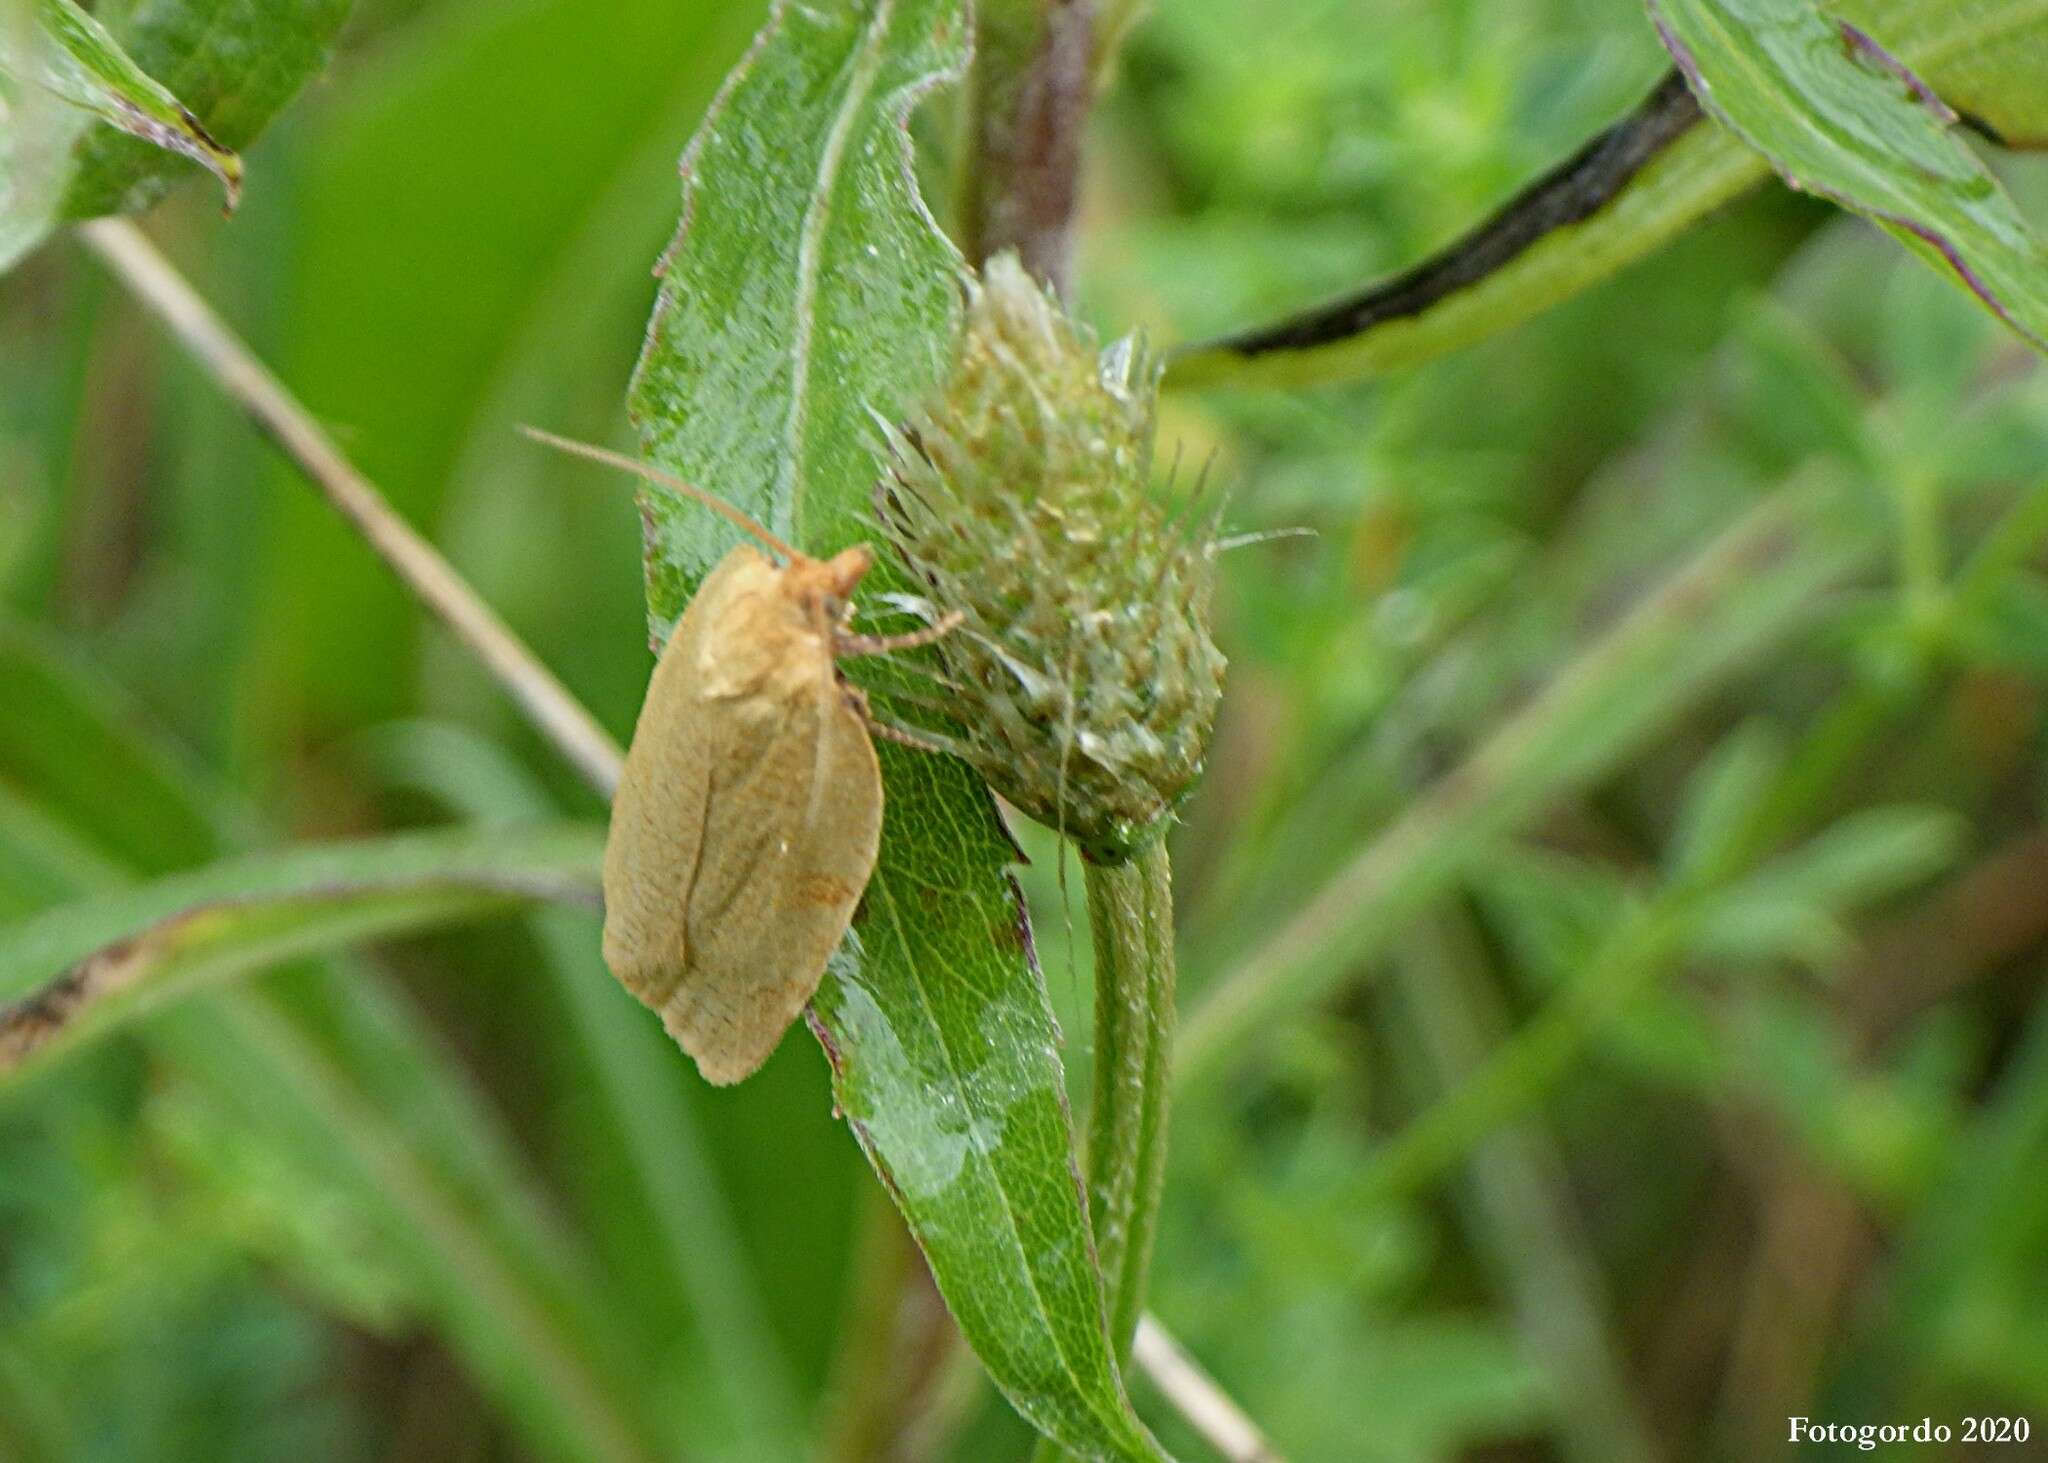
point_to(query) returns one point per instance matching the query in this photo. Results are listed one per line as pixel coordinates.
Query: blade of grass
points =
(95, 961)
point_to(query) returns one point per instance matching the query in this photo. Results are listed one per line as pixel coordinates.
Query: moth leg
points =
(922, 702)
(851, 645)
(889, 731)
(903, 736)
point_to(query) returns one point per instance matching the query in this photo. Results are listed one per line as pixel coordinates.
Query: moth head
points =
(829, 583)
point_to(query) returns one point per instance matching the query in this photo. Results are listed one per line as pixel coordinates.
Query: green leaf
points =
(108, 110)
(1988, 58)
(1838, 115)
(236, 63)
(1720, 798)
(807, 289)
(1795, 906)
(76, 58)
(1675, 186)
(88, 963)
(1862, 858)
(2008, 625)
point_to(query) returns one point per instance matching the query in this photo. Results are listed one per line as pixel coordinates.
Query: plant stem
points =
(1201, 1403)
(1130, 917)
(1030, 88)
(1034, 76)
(1517, 1200)
(1130, 920)
(547, 703)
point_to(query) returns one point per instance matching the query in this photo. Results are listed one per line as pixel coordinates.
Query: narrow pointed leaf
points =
(77, 58)
(79, 969)
(235, 63)
(103, 112)
(807, 288)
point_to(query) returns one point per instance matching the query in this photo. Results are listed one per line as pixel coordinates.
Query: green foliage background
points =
(1731, 965)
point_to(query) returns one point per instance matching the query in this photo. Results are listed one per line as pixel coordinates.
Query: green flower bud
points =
(1082, 674)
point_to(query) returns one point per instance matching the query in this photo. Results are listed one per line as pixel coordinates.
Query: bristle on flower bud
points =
(1083, 675)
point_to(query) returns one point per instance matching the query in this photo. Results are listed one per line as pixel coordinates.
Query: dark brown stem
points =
(1032, 84)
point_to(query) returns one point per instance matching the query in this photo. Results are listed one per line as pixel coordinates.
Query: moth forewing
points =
(657, 824)
(749, 815)
(748, 821)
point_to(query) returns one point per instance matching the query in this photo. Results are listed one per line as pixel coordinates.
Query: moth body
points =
(749, 815)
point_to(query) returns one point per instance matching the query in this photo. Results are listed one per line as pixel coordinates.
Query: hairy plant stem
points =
(1130, 918)
(1034, 74)
(1130, 922)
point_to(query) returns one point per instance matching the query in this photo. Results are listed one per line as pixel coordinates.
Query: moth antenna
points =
(669, 483)
(918, 668)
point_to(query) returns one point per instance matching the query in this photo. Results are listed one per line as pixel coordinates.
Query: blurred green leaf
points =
(1793, 906)
(2009, 625)
(81, 62)
(1798, 397)
(1720, 800)
(1837, 115)
(1755, 923)
(332, 1066)
(807, 289)
(172, 80)
(1865, 856)
(234, 63)
(266, 1200)
(1551, 909)
(112, 956)
(1987, 58)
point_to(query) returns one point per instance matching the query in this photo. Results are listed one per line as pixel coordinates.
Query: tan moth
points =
(748, 819)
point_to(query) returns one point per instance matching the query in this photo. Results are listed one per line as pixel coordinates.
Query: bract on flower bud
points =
(1083, 675)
